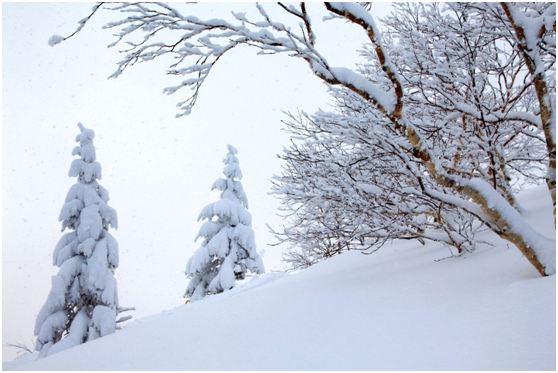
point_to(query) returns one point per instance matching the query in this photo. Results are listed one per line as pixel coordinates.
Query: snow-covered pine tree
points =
(83, 302)
(228, 249)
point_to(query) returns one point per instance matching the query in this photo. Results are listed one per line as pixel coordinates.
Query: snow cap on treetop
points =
(232, 170)
(86, 134)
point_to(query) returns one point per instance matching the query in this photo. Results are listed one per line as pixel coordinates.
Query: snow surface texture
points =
(228, 250)
(397, 309)
(83, 300)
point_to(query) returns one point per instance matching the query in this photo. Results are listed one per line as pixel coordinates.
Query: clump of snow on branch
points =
(55, 39)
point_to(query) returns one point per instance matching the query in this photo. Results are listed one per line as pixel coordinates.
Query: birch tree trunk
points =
(529, 48)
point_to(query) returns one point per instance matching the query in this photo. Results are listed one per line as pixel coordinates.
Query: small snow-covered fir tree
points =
(228, 249)
(83, 302)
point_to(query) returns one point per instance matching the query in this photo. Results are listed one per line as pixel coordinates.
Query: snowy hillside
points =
(398, 309)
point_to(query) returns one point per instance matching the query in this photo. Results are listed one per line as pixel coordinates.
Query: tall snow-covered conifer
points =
(228, 249)
(83, 302)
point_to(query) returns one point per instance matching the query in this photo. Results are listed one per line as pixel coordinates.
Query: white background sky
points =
(158, 169)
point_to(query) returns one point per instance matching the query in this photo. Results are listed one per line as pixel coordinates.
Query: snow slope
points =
(398, 309)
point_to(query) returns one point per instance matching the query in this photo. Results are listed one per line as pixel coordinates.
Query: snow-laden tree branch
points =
(455, 98)
(344, 188)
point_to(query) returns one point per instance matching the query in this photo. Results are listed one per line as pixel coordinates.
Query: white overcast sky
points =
(158, 169)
